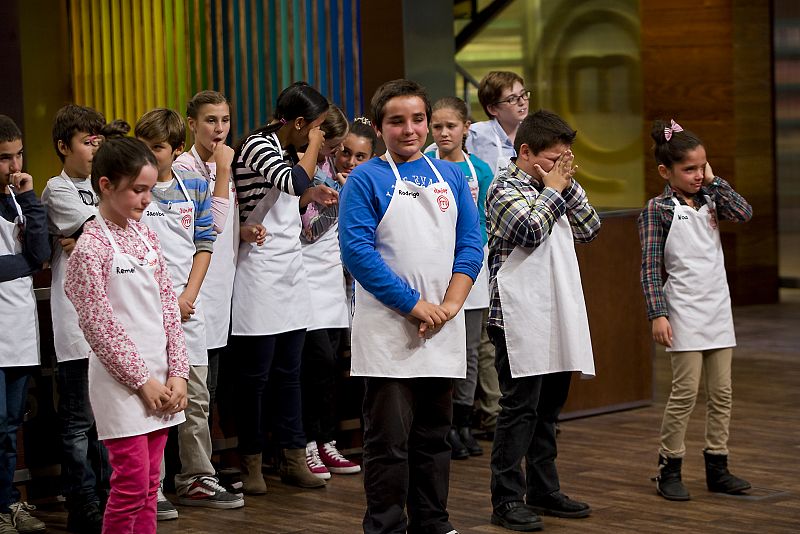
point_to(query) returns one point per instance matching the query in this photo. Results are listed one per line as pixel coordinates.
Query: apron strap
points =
(466, 158)
(201, 164)
(16, 205)
(110, 237)
(180, 184)
(396, 172)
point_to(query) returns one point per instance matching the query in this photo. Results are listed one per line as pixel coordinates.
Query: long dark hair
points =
(669, 152)
(297, 100)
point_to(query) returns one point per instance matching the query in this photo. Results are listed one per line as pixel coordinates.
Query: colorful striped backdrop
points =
(130, 56)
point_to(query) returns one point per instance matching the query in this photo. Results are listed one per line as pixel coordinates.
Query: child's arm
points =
(66, 212)
(583, 218)
(516, 220)
(731, 206)
(36, 244)
(86, 285)
(204, 244)
(220, 201)
(652, 237)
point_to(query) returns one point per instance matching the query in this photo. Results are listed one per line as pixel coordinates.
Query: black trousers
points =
(406, 455)
(275, 360)
(318, 380)
(526, 429)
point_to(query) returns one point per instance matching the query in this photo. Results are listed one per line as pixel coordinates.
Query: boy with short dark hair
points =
(24, 247)
(409, 234)
(180, 213)
(71, 202)
(505, 100)
(535, 211)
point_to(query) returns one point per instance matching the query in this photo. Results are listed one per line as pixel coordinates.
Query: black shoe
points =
(473, 447)
(559, 505)
(458, 450)
(518, 516)
(719, 479)
(86, 520)
(668, 481)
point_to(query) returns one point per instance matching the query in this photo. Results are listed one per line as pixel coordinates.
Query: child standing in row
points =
(24, 247)
(209, 117)
(71, 202)
(691, 312)
(120, 285)
(409, 234)
(535, 213)
(329, 312)
(449, 126)
(269, 313)
(180, 213)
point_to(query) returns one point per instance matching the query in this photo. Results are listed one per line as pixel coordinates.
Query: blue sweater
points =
(365, 198)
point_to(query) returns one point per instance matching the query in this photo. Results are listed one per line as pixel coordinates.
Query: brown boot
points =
(295, 472)
(252, 479)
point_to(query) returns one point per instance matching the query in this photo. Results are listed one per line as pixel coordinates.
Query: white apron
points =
(217, 288)
(502, 160)
(698, 299)
(544, 314)
(478, 298)
(19, 322)
(323, 263)
(133, 293)
(416, 238)
(175, 228)
(67, 336)
(270, 290)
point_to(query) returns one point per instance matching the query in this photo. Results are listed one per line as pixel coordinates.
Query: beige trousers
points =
(194, 436)
(688, 368)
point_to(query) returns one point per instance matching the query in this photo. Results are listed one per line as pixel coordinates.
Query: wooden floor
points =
(606, 460)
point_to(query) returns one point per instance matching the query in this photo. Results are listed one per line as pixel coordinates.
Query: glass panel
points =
(582, 61)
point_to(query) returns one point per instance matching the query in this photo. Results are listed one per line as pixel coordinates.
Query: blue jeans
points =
(13, 389)
(84, 459)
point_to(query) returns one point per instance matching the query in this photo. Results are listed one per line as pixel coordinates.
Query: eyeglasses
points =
(516, 99)
(95, 140)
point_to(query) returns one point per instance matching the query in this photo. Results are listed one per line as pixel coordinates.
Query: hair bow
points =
(363, 120)
(674, 127)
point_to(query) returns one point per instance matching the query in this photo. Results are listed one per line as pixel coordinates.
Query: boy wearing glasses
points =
(71, 202)
(505, 100)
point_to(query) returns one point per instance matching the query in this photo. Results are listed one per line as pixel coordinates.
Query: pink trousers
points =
(136, 464)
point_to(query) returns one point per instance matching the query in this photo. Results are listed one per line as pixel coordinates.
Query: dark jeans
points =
(319, 384)
(84, 459)
(13, 389)
(526, 428)
(274, 359)
(406, 454)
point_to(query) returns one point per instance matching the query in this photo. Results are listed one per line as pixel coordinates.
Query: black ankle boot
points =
(719, 479)
(458, 450)
(462, 415)
(668, 481)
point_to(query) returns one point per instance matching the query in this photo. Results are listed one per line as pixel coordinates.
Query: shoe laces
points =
(21, 510)
(312, 455)
(333, 452)
(212, 483)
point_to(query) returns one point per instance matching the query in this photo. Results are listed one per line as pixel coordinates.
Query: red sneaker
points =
(314, 462)
(335, 462)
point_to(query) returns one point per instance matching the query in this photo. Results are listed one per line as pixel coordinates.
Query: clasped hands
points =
(431, 317)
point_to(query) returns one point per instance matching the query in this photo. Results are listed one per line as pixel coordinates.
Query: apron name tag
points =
(413, 195)
(126, 271)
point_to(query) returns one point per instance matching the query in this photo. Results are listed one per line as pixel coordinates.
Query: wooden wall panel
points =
(708, 65)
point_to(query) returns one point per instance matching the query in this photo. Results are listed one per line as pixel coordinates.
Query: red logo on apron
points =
(186, 221)
(444, 203)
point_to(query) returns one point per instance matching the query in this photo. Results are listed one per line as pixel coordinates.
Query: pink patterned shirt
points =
(86, 285)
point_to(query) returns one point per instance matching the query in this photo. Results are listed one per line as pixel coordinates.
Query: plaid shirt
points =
(521, 212)
(655, 222)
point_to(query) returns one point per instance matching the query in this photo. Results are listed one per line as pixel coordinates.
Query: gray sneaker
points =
(6, 526)
(22, 520)
(164, 508)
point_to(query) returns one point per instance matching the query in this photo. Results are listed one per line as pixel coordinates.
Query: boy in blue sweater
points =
(409, 234)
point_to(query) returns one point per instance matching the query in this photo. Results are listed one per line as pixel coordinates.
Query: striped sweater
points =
(262, 164)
